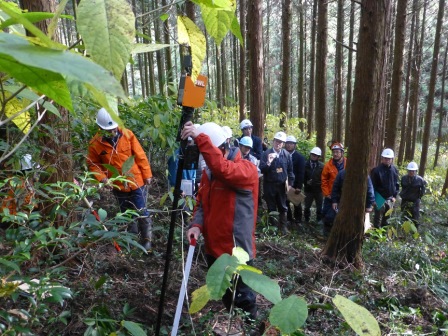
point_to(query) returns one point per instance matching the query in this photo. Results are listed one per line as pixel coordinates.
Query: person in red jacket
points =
(114, 146)
(227, 204)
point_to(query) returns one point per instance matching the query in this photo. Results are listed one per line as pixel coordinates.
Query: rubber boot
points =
(145, 226)
(133, 228)
(283, 223)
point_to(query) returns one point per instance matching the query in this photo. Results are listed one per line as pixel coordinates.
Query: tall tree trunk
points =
(441, 110)
(168, 61)
(301, 67)
(235, 70)
(406, 103)
(431, 90)
(346, 238)
(266, 57)
(338, 115)
(397, 75)
(159, 60)
(219, 80)
(348, 95)
(321, 75)
(242, 79)
(286, 61)
(311, 112)
(256, 71)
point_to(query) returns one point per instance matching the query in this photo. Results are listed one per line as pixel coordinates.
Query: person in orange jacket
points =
(114, 146)
(329, 173)
(226, 205)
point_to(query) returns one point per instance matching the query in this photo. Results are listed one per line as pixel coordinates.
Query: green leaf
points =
(133, 328)
(10, 264)
(240, 254)
(359, 318)
(188, 33)
(199, 299)
(164, 17)
(66, 63)
(217, 22)
(112, 169)
(229, 5)
(236, 30)
(102, 213)
(127, 165)
(219, 275)
(262, 284)
(32, 96)
(48, 83)
(108, 29)
(139, 48)
(156, 121)
(289, 314)
(32, 17)
(101, 281)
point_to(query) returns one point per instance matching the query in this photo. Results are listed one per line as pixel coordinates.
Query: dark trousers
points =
(327, 212)
(297, 212)
(245, 298)
(275, 196)
(132, 200)
(380, 218)
(411, 210)
(310, 197)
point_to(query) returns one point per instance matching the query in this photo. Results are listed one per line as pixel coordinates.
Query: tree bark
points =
(242, 79)
(286, 62)
(338, 108)
(311, 112)
(348, 99)
(321, 75)
(301, 67)
(346, 238)
(256, 71)
(431, 90)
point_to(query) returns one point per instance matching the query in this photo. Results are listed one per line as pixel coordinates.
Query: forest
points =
(366, 73)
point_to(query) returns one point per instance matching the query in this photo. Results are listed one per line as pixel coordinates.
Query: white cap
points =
(245, 123)
(316, 151)
(215, 132)
(291, 138)
(228, 131)
(388, 153)
(412, 166)
(280, 136)
(104, 120)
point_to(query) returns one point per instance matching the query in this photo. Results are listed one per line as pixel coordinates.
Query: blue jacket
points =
(385, 180)
(280, 168)
(298, 167)
(336, 191)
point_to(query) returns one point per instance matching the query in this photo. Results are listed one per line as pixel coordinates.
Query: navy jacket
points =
(298, 168)
(413, 188)
(280, 168)
(385, 180)
(336, 191)
(312, 177)
(257, 148)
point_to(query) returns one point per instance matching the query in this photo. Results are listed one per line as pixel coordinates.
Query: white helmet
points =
(291, 138)
(245, 123)
(280, 136)
(412, 166)
(228, 131)
(388, 153)
(104, 120)
(215, 132)
(26, 162)
(197, 125)
(246, 141)
(316, 151)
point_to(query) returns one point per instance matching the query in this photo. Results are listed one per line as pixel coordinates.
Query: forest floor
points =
(403, 282)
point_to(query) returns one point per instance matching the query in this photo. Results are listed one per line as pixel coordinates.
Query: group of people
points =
(227, 197)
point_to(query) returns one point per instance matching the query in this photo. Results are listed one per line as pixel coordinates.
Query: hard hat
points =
(316, 151)
(280, 136)
(337, 145)
(412, 166)
(197, 125)
(228, 131)
(388, 153)
(245, 123)
(291, 138)
(104, 120)
(246, 141)
(26, 162)
(215, 132)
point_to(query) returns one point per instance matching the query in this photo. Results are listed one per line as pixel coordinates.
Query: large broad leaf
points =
(45, 82)
(139, 48)
(108, 29)
(22, 121)
(262, 284)
(199, 299)
(236, 30)
(127, 165)
(33, 17)
(219, 275)
(65, 63)
(359, 318)
(217, 22)
(189, 34)
(240, 254)
(289, 314)
(31, 96)
(229, 5)
(133, 328)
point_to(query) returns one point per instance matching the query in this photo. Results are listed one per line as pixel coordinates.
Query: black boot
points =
(145, 226)
(133, 228)
(283, 223)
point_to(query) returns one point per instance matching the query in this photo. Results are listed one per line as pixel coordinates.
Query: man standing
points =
(115, 146)
(226, 208)
(276, 167)
(298, 167)
(246, 145)
(313, 183)
(329, 173)
(257, 149)
(413, 188)
(385, 183)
